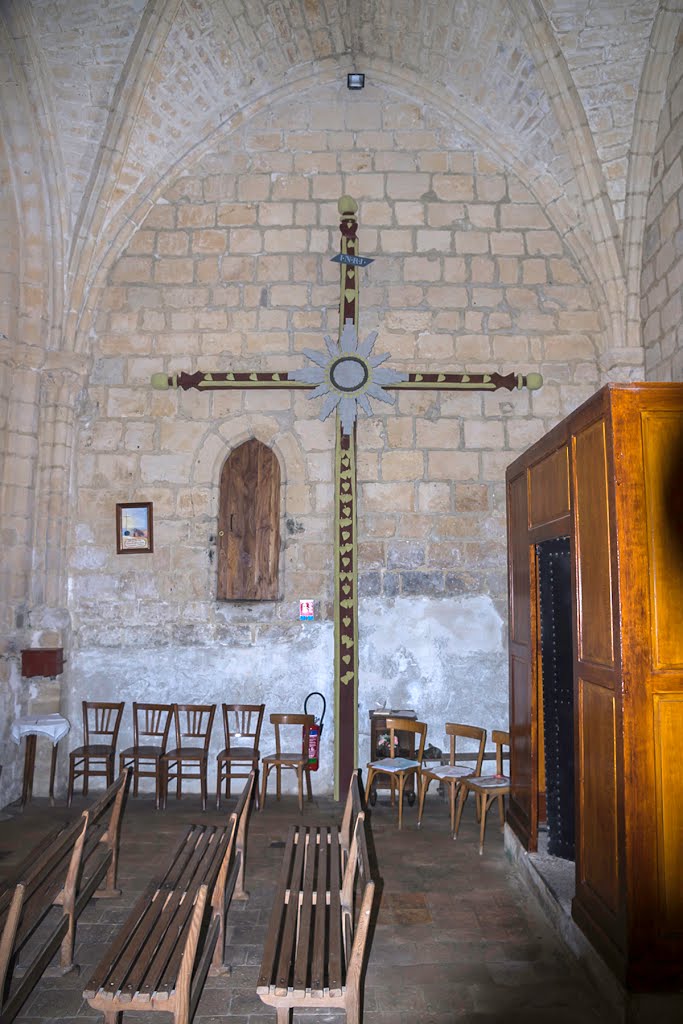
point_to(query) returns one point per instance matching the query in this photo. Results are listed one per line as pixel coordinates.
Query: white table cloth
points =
(55, 727)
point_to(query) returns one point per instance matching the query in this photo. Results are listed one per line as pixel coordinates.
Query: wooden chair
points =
(242, 725)
(151, 722)
(281, 759)
(399, 768)
(100, 721)
(453, 773)
(193, 724)
(487, 788)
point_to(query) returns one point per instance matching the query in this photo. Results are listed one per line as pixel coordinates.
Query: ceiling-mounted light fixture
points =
(355, 80)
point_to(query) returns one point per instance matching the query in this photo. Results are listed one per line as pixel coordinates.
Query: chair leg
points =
(110, 769)
(203, 782)
(257, 799)
(278, 771)
(401, 784)
(308, 783)
(86, 774)
(300, 786)
(485, 804)
(462, 796)
(266, 769)
(453, 790)
(368, 784)
(70, 784)
(163, 782)
(501, 812)
(423, 786)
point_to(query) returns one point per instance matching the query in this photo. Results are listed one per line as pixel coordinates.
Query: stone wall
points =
(231, 270)
(662, 278)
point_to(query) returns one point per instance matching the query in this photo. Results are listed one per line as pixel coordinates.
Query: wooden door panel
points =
(249, 524)
(663, 472)
(520, 598)
(668, 722)
(595, 628)
(522, 763)
(549, 488)
(598, 864)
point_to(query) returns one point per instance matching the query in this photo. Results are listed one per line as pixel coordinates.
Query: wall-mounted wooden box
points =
(42, 661)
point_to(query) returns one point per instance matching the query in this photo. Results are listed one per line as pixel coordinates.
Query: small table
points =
(55, 727)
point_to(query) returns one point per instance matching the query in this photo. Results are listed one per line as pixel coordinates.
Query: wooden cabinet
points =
(610, 477)
(379, 740)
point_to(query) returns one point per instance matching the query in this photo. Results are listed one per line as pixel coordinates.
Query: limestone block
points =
(131, 270)
(452, 465)
(406, 186)
(175, 468)
(377, 525)
(507, 243)
(433, 497)
(435, 349)
(402, 465)
(379, 496)
(471, 242)
(396, 240)
(141, 244)
(483, 434)
(453, 187)
(409, 214)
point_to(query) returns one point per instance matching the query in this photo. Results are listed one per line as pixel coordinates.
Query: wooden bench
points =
(176, 931)
(315, 945)
(65, 870)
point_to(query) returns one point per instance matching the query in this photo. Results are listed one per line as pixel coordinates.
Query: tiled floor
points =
(458, 938)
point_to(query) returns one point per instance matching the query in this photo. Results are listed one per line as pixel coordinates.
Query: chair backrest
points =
(470, 732)
(282, 721)
(395, 725)
(101, 722)
(501, 739)
(242, 722)
(152, 721)
(193, 722)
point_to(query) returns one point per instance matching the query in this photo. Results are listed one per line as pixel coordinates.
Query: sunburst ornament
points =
(348, 376)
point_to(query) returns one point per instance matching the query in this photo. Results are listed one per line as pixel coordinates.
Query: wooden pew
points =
(65, 870)
(315, 945)
(176, 931)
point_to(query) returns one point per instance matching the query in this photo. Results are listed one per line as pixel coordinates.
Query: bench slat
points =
(270, 947)
(300, 980)
(163, 970)
(166, 920)
(291, 914)
(141, 926)
(188, 856)
(335, 957)
(318, 950)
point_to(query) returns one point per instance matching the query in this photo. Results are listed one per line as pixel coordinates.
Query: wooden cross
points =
(347, 376)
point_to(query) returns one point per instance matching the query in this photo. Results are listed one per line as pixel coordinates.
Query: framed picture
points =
(134, 531)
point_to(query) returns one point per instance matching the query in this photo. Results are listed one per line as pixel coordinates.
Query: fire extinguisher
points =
(315, 732)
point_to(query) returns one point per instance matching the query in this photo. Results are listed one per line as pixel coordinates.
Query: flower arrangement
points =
(383, 748)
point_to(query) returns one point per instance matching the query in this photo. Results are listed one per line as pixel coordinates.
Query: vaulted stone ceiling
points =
(104, 102)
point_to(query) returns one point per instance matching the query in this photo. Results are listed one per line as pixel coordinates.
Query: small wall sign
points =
(306, 610)
(134, 528)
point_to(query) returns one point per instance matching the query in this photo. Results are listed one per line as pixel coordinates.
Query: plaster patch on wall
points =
(264, 673)
(444, 659)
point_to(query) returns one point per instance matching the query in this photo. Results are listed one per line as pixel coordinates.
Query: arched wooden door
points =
(249, 525)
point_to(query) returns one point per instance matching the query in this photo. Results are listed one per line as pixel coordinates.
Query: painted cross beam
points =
(346, 376)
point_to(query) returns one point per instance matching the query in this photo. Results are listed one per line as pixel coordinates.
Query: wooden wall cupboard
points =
(610, 477)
